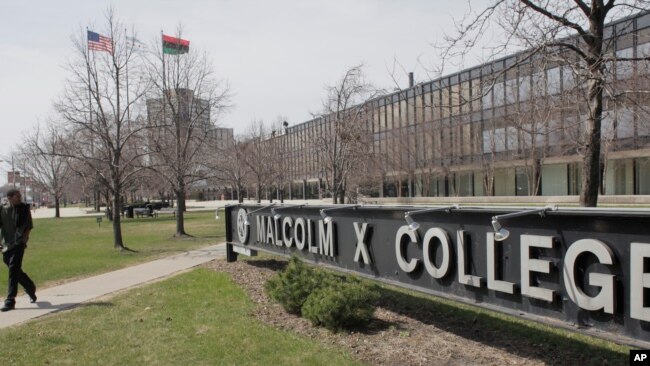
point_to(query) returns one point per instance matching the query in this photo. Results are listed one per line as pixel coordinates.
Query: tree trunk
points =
(97, 199)
(240, 198)
(117, 228)
(108, 205)
(180, 211)
(591, 154)
(57, 207)
(535, 178)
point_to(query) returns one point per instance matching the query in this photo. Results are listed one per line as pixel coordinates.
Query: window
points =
(403, 115)
(392, 116)
(498, 91)
(488, 141)
(524, 88)
(624, 69)
(619, 177)
(499, 140)
(511, 91)
(553, 84)
(521, 179)
(643, 176)
(476, 95)
(418, 110)
(455, 100)
(467, 139)
(513, 138)
(526, 136)
(539, 87)
(444, 102)
(437, 144)
(568, 78)
(504, 182)
(643, 119)
(465, 97)
(487, 97)
(435, 105)
(554, 180)
(555, 132)
(607, 126)
(479, 187)
(643, 67)
(464, 184)
(624, 122)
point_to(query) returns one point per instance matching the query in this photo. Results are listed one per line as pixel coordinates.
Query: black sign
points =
(584, 269)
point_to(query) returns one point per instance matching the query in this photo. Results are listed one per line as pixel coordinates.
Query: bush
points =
(292, 287)
(340, 304)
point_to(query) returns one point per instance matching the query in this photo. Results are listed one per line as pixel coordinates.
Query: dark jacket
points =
(17, 221)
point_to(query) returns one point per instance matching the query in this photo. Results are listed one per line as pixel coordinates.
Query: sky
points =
(276, 56)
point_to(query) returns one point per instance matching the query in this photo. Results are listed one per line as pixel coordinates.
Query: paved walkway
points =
(65, 296)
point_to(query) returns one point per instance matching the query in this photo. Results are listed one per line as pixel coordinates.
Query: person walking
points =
(15, 226)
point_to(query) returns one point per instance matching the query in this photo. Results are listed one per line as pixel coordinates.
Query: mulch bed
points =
(392, 338)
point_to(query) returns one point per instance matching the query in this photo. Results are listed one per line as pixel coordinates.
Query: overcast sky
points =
(277, 56)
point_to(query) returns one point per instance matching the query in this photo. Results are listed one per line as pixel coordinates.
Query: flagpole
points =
(90, 119)
(163, 62)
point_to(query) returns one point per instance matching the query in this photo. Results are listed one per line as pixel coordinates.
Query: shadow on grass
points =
(95, 304)
(59, 307)
(520, 338)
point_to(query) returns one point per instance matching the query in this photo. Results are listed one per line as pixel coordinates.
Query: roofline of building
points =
(463, 71)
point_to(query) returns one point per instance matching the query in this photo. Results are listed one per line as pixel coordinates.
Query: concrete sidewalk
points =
(65, 296)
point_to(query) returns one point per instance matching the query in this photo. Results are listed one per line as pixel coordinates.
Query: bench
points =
(166, 210)
(144, 212)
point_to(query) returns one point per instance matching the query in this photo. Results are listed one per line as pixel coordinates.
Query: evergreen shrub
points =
(292, 286)
(341, 304)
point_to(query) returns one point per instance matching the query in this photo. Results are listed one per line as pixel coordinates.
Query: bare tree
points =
(183, 108)
(258, 150)
(97, 112)
(231, 168)
(44, 161)
(570, 31)
(343, 143)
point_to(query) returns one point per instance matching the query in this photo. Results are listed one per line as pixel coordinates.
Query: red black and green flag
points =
(175, 46)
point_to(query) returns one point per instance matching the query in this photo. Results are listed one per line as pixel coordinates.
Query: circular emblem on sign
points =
(242, 228)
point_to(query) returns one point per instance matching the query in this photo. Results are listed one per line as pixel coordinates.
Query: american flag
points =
(97, 42)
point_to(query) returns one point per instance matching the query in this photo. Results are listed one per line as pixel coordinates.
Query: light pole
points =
(13, 172)
(283, 163)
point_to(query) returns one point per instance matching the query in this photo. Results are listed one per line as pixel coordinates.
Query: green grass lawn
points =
(68, 248)
(197, 318)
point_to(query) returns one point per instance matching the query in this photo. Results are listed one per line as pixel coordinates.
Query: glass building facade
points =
(507, 128)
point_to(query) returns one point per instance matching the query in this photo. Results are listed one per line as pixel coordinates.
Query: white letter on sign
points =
(605, 299)
(261, 229)
(361, 243)
(534, 265)
(299, 228)
(493, 283)
(286, 235)
(442, 236)
(463, 276)
(325, 239)
(413, 263)
(639, 280)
